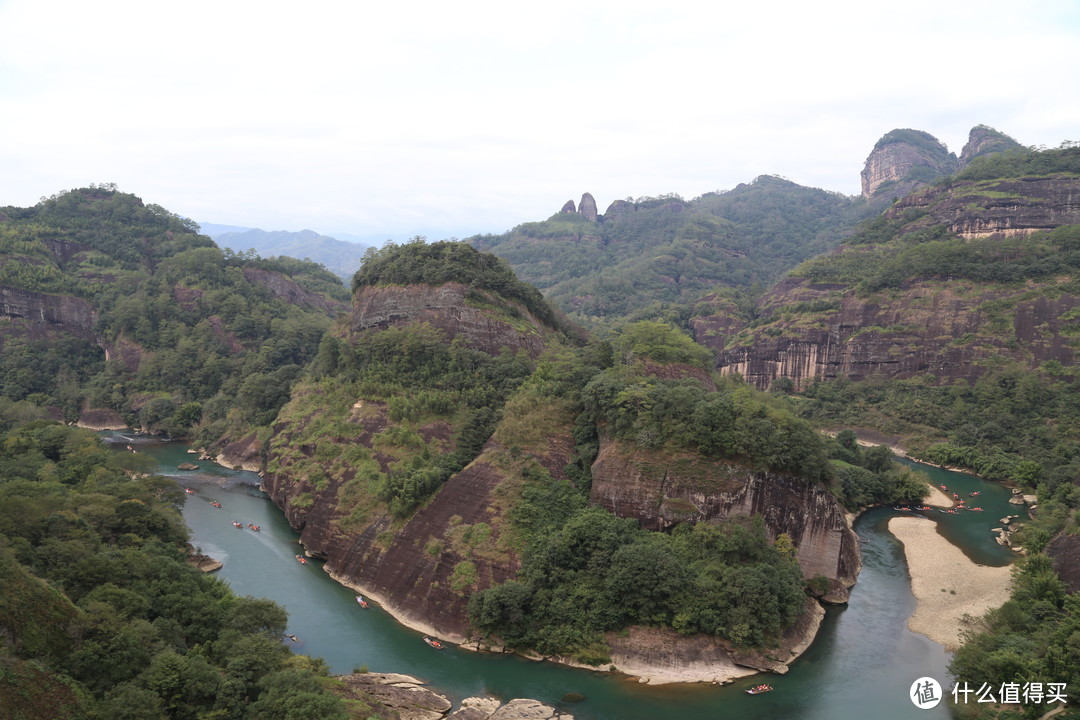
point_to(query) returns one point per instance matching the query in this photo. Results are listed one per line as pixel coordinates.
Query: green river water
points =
(861, 665)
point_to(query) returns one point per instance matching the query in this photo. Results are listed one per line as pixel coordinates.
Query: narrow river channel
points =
(862, 663)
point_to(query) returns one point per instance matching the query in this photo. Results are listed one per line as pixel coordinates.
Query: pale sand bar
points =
(937, 498)
(936, 564)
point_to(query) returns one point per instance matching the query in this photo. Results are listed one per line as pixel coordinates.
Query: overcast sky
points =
(453, 118)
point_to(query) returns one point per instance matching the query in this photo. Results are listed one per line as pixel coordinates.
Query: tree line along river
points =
(864, 658)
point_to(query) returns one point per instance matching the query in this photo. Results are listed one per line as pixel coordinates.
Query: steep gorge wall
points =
(1002, 207)
(408, 567)
(939, 328)
(662, 489)
(422, 567)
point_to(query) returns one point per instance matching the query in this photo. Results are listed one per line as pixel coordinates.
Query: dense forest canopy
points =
(100, 615)
(199, 339)
(647, 255)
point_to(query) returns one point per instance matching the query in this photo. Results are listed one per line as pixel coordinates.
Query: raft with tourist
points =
(759, 689)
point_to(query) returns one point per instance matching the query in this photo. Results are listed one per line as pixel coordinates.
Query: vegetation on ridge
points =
(648, 255)
(197, 346)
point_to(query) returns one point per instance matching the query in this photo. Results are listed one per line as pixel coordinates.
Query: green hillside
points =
(155, 322)
(648, 257)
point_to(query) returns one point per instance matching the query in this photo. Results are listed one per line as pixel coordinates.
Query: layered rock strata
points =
(662, 489)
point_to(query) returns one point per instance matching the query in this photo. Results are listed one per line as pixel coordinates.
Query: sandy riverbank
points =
(665, 657)
(946, 584)
(937, 498)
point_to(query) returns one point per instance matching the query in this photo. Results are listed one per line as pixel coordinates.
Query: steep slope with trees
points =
(100, 615)
(117, 310)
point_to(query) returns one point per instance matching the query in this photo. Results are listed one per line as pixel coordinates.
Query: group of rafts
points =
(235, 523)
(960, 504)
(304, 561)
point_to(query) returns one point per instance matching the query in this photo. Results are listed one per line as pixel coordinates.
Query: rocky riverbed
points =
(411, 699)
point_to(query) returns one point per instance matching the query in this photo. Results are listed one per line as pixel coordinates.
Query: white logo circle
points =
(925, 693)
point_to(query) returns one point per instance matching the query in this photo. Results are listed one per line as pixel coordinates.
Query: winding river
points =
(862, 663)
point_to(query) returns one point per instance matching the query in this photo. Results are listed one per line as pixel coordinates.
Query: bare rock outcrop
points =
(568, 207)
(619, 208)
(448, 308)
(663, 489)
(38, 314)
(412, 571)
(411, 699)
(101, 419)
(405, 695)
(661, 655)
(927, 327)
(905, 159)
(292, 292)
(1002, 207)
(587, 207)
(245, 453)
(984, 140)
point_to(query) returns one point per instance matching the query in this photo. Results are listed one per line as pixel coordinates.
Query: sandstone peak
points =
(983, 140)
(905, 159)
(569, 207)
(619, 207)
(587, 207)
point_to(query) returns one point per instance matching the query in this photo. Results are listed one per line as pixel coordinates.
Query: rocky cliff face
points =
(423, 567)
(927, 327)
(903, 160)
(984, 140)
(291, 292)
(1064, 550)
(408, 569)
(452, 309)
(998, 207)
(661, 490)
(943, 327)
(39, 314)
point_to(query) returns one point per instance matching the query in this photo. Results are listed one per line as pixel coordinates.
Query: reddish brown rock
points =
(897, 154)
(926, 328)
(1000, 207)
(662, 489)
(101, 419)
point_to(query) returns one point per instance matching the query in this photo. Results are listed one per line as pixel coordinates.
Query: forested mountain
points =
(120, 312)
(456, 452)
(650, 257)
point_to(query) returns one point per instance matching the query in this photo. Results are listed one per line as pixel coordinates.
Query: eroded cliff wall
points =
(661, 489)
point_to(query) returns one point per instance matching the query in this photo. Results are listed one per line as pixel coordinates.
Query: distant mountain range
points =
(340, 255)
